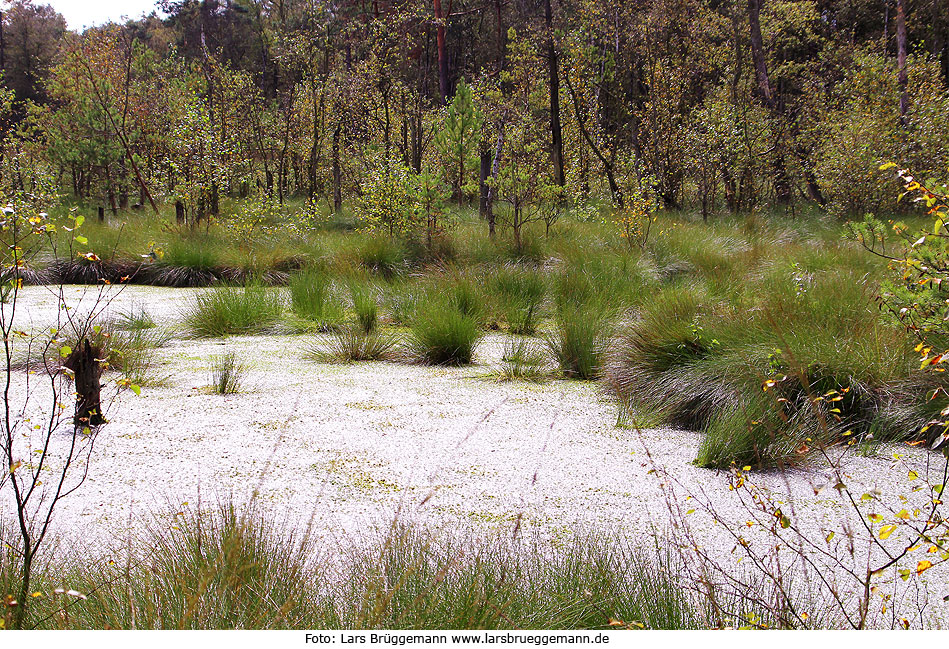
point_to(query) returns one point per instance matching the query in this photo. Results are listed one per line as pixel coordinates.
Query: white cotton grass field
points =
(342, 452)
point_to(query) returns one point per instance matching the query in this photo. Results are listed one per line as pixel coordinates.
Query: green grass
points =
(579, 339)
(353, 343)
(227, 374)
(135, 318)
(442, 335)
(703, 315)
(789, 347)
(519, 297)
(313, 298)
(383, 256)
(230, 569)
(365, 306)
(233, 310)
(523, 360)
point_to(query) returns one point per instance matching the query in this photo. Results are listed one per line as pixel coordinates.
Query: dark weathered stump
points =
(83, 361)
(101, 213)
(179, 212)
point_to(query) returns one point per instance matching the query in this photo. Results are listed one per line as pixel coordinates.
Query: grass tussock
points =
(789, 356)
(365, 306)
(523, 360)
(230, 569)
(227, 374)
(313, 298)
(519, 297)
(443, 335)
(353, 343)
(233, 310)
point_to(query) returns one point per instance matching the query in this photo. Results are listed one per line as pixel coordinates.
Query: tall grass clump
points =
(198, 252)
(519, 295)
(312, 297)
(441, 334)
(227, 374)
(465, 296)
(522, 359)
(353, 343)
(187, 261)
(365, 306)
(208, 570)
(226, 568)
(135, 318)
(578, 341)
(383, 256)
(401, 301)
(233, 310)
(410, 580)
(796, 357)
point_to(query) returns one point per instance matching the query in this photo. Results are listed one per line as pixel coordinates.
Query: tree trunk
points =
(782, 185)
(440, 21)
(85, 366)
(495, 169)
(483, 183)
(553, 73)
(337, 173)
(902, 75)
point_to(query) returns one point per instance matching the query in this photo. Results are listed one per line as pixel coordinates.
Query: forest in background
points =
(699, 105)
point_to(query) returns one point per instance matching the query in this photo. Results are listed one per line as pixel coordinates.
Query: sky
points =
(85, 13)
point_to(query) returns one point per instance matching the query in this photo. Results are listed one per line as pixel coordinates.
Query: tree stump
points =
(179, 213)
(84, 363)
(101, 214)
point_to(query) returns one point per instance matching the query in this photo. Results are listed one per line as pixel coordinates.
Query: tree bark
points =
(483, 184)
(902, 75)
(440, 21)
(553, 73)
(782, 185)
(337, 173)
(87, 371)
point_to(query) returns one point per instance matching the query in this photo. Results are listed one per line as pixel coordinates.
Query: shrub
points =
(232, 310)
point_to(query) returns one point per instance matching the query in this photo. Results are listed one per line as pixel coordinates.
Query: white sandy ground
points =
(349, 447)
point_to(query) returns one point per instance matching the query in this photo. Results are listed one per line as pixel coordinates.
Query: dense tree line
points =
(697, 104)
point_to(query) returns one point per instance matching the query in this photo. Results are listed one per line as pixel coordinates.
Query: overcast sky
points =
(85, 13)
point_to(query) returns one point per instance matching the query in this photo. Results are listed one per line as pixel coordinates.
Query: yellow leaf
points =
(886, 530)
(923, 566)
